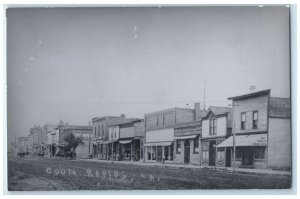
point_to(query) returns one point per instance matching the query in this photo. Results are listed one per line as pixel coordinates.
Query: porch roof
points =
(186, 137)
(245, 140)
(158, 144)
(125, 141)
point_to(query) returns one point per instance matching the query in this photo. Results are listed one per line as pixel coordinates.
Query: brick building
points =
(187, 136)
(159, 133)
(216, 127)
(100, 133)
(261, 125)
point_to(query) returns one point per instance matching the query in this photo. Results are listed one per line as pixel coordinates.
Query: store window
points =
(178, 146)
(238, 154)
(154, 153)
(196, 145)
(220, 154)
(259, 153)
(205, 154)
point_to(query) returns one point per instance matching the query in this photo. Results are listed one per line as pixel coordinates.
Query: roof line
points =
(267, 91)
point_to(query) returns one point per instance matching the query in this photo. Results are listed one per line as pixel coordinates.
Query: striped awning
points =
(245, 140)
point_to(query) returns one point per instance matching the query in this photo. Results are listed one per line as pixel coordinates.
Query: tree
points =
(71, 142)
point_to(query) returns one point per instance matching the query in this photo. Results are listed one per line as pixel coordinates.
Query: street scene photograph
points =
(148, 98)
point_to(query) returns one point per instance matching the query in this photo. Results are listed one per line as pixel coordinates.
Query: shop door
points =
(187, 151)
(247, 157)
(228, 157)
(159, 153)
(212, 153)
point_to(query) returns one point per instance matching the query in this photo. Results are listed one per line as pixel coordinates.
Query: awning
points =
(158, 144)
(125, 141)
(186, 137)
(245, 140)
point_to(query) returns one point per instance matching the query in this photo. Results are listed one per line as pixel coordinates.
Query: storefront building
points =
(187, 143)
(216, 127)
(126, 140)
(261, 129)
(100, 140)
(159, 133)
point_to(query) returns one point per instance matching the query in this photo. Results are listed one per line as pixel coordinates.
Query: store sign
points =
(261, 141)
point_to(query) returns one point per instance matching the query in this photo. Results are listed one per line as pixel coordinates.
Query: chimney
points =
(123, 115)
(252, 89)
(197, 111)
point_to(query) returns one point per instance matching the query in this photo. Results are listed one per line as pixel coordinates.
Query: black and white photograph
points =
(127, 98)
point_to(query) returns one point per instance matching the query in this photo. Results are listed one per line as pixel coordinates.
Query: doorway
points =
(212, 153)
(187, 151)
(228, 157)
(159, 153)
(247, 157)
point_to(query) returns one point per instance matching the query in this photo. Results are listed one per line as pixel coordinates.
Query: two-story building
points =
(100, 134)
(127, 138)
(216, 127)
(52, 142)
(33, 140)
(43, 138)
(159, 133)
(261, 128)
(187, 138)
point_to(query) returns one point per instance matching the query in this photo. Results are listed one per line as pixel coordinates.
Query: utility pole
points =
(233, 137)
(204, 96)
(112, 149)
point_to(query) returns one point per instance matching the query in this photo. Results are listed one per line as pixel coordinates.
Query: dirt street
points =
(46, 174)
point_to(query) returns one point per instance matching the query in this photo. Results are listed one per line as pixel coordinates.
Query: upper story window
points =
(102, 130)
(95, 132)
(255, 119)
(243, 120)
(98, 130)
(212, 127)
(53, 138)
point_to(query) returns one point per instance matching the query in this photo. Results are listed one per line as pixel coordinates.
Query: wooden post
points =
(131, 151)
(169, 152)
(163, 154)
(156, 152)
(216, 153)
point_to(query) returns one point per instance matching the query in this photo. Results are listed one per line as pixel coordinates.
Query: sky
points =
(78, 63)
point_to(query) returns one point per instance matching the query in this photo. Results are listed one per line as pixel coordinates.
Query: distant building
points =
(261, 125)
(33, 140)
(82, 131)
(52, 142)
(22, 144)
